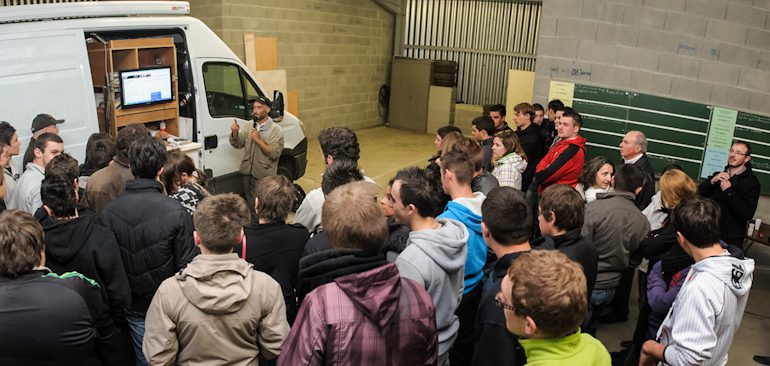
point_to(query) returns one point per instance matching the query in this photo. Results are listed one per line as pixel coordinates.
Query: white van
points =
(45, 67)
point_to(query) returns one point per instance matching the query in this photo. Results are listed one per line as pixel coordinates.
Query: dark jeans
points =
(599, 300)
(619, 304)
(461, 352)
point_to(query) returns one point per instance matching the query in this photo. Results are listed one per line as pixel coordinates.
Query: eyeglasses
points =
(736, 152)
(502, 305)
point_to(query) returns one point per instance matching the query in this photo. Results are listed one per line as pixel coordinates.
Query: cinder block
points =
(541, 88)
(548, 26)
(756, 80)
(734, 33)
(645, 17)
(759, 103)
(745, 14)
(603, 11)
(686, 24)
(758, 39)
(542, 65)
(658, 40)
(614, 76)
(558, 47)
(676, 5)
(731, 97)
(764, 61)
(698, 47)
(764, 4)
(638, 58)
(616, 34)
(719, 73)
(597, 52)
(576, 28)
(711, 9)
(563, 8)
(689, 89)
(651, 82)
(570, 70)
(738, 55)
(679, 65)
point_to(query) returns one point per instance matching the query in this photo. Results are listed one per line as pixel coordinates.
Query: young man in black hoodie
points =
(48, 319)
(75, 242)
(506, 226)
(154, 231)
(736, 190)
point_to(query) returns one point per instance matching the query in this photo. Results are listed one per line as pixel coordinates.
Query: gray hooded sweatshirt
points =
(707, 312)
(436, 259)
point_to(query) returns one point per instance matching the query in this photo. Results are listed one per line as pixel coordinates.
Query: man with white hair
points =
(633, 149)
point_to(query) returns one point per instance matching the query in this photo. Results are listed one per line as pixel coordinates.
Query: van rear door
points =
(48, 72)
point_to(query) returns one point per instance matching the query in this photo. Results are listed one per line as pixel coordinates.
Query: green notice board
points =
(676, 130)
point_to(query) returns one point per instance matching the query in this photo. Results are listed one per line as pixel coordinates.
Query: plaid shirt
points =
(508, 170)
(368, 318)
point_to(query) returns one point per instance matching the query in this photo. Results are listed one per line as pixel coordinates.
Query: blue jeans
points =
(136, 323)
(599, 300)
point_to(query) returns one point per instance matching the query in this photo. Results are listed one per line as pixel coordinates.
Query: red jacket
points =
(562, 164)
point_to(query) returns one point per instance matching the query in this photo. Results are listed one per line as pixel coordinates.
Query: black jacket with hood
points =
(82, 245)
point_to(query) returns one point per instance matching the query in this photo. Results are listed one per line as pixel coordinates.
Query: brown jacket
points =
(218, 310)
(106, 184)
(255, 162)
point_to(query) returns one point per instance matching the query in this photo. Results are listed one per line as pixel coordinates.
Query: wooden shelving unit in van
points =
(129, 54)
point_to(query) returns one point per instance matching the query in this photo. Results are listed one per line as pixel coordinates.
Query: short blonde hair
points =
(675, 185)
(352, 217)
(551, 289)
(218, 221)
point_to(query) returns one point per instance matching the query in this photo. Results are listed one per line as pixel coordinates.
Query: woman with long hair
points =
(183, 181)
(509, 159)
(596, 178)
(668, 263)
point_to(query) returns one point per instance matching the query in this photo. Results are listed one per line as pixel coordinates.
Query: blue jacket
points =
(477, 249)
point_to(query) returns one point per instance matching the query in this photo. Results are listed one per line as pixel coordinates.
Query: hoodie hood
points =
(580, 141)
(217, 283)
(472, 204)
(736, 274)
(375, 293)
(518, 163)
(445, 245)
(65, 238)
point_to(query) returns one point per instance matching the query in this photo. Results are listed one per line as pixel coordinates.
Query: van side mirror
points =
(276, 112)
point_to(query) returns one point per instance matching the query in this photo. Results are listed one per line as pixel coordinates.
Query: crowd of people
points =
(507, 248)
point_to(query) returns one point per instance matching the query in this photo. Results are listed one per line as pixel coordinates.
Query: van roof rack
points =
(91, 9)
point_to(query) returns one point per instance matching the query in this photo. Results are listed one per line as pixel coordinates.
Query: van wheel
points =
(287, 167)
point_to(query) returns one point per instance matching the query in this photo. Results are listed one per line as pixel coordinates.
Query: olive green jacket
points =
(255, 162)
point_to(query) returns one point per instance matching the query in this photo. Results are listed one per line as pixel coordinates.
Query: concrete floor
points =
(385, 150)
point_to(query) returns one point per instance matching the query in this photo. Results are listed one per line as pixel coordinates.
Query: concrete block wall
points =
(337, 53)
(706, 51)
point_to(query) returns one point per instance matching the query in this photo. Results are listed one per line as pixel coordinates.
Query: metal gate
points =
(486, 38)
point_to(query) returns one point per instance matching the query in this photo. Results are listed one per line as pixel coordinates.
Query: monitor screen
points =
(145, 86)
